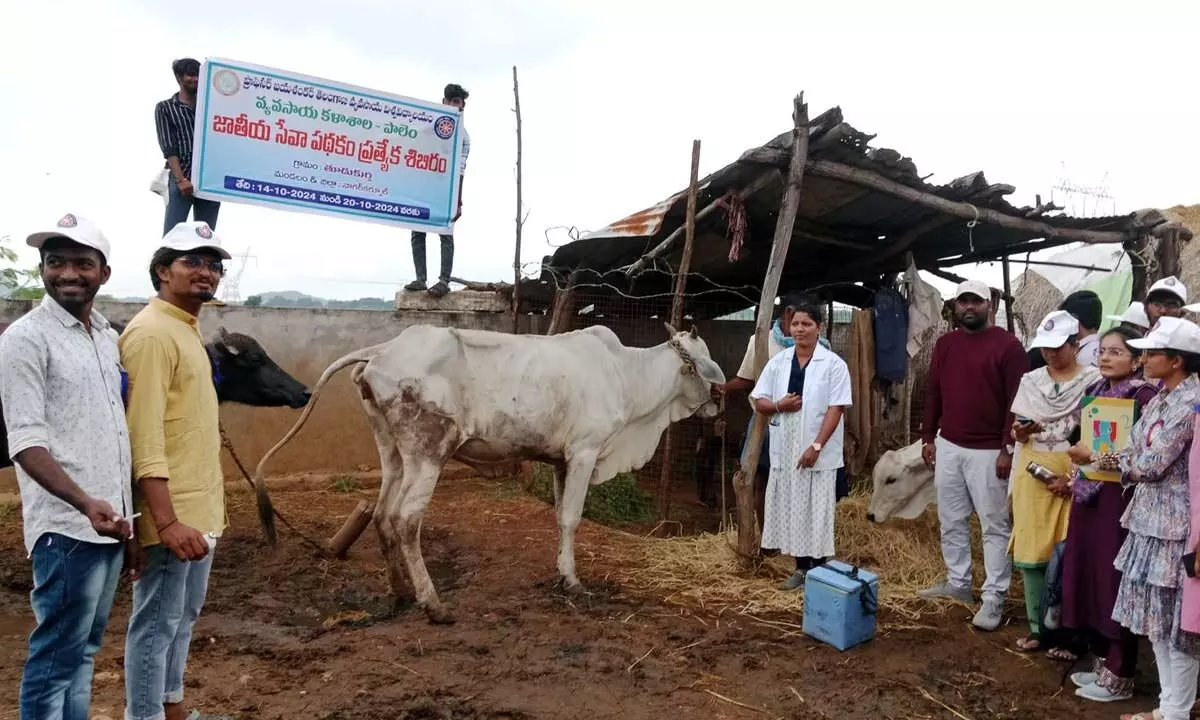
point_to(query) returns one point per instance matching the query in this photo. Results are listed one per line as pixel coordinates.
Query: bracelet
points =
(164, 527)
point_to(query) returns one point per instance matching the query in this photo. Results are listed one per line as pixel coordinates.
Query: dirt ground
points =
(287, 634)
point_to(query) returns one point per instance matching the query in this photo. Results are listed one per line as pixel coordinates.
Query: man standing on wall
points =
(60, 383)
(972, 380)
(454, 96)
(176, 448)
(175, 120)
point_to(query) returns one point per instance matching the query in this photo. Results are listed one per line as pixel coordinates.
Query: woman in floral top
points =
(1089, 580)
(1149, 599)
(1046, 419)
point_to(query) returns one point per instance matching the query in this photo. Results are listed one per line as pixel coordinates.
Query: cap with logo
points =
(1169, 285)
(1056, 329)
(76, 229)
(973, 287)
(1171, 333)
(193, 236)
(1135, 314)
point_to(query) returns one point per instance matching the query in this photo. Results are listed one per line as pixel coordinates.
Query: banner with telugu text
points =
(287, 141)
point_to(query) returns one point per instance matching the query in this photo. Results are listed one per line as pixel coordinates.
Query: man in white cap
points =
(1135, 318)
(60, 384)
(1166, 298)
(176, 463)
(973, 376)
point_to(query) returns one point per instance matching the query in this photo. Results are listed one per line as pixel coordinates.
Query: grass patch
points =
(617, 502)
(9, 511)
(346, 483)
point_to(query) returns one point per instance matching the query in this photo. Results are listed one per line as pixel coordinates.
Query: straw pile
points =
(703, 571)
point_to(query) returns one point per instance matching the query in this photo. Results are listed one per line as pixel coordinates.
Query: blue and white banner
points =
(282, 140)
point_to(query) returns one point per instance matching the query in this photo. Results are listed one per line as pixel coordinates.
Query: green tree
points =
(21, 283)
(254, 301)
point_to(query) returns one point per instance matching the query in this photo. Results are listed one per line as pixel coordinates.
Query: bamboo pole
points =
(354, 526)
(1008, 296)
(685, 264)
(743, 480)
(516, 293)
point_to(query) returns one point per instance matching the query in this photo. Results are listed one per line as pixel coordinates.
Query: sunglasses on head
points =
(195, 262)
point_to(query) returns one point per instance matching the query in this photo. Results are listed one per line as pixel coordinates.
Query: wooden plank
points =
(743, 480)
(457, 301)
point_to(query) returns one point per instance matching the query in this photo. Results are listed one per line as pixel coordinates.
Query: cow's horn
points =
(670, 330)
(223, 338)
(694, 333)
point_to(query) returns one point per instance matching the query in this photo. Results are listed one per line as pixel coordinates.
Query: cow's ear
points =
(670, 330)
(709, 371)
(223, 341)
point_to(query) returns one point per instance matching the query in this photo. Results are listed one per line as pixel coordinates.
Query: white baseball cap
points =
(1135, 314)
(1171, 333)
(973, 287)
(191, 236)
(1169, 284)
(76, 229)
(1055, 329)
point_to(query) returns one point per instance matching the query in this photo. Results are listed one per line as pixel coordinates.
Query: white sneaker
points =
(1083, 679)
(1096, 693)
(991, 612)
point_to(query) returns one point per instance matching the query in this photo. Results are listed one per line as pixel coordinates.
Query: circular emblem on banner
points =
(1048, 326)
(444, 127)
(226, 82)
(68, 221)
(204, 231)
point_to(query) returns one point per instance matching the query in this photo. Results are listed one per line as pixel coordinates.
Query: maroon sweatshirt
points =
(972, 380)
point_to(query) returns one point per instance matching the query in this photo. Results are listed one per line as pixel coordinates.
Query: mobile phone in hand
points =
(1189, 564)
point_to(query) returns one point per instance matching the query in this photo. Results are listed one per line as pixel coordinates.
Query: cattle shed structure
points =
(861, 211)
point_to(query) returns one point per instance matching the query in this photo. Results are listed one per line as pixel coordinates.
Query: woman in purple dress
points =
(1094, 537)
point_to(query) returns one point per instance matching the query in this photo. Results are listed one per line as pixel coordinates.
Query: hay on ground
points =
(704, 572)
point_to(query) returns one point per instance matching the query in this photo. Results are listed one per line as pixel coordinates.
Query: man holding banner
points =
(175, 121)
(455, 96)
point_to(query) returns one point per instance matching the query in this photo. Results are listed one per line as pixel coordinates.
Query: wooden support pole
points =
(743, 480)
(516, 293)
(685, 264)
(1136, 249)
(658, 250)
(1170, 246)
(1008, 298)
(354, 526)
(564, 305)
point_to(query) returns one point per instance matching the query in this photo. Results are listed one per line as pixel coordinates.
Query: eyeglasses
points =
(195, 262)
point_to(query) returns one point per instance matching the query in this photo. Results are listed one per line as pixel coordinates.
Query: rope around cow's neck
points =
(228, 444)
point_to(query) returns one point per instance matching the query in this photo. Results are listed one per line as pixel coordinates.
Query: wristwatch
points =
(817, 446)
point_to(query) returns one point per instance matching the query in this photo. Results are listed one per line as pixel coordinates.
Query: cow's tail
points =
(266, 511)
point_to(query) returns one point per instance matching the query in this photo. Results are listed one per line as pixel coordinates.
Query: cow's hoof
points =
(439, 616)
(574, 589)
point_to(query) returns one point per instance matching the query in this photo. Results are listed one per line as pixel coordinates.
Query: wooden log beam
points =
(757, 184)
(743, 480)
(685, 263)
(354, 526)
(966, 211)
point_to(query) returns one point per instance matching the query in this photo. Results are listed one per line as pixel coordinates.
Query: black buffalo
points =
(242, 372)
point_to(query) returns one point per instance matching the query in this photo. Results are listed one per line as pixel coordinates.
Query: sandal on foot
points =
(1062, 654)
(1030, 644)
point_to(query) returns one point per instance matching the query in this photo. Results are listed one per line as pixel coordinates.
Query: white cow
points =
(580, 401)
(903, 485)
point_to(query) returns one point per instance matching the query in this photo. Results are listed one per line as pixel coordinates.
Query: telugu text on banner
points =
(278, 139)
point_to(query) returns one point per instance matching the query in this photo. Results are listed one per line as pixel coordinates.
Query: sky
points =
(612, 95)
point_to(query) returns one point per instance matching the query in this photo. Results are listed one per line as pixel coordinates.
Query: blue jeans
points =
(73, 587)
(166, 602)
(179, 204)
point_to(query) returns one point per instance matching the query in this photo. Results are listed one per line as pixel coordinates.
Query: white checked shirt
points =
(466, 149)
(61, 390)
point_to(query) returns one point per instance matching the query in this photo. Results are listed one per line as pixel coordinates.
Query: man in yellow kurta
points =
(176, 444)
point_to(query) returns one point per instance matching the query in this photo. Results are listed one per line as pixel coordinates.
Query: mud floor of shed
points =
(286, 634)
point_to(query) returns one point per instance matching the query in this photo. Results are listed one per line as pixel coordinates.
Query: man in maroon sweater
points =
(973, 378)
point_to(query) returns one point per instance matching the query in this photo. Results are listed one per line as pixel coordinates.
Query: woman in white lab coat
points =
(804, 390)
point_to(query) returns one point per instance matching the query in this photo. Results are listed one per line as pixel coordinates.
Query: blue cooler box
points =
(840, 603)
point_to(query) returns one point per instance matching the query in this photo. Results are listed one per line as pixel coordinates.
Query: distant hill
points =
(295, 299)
